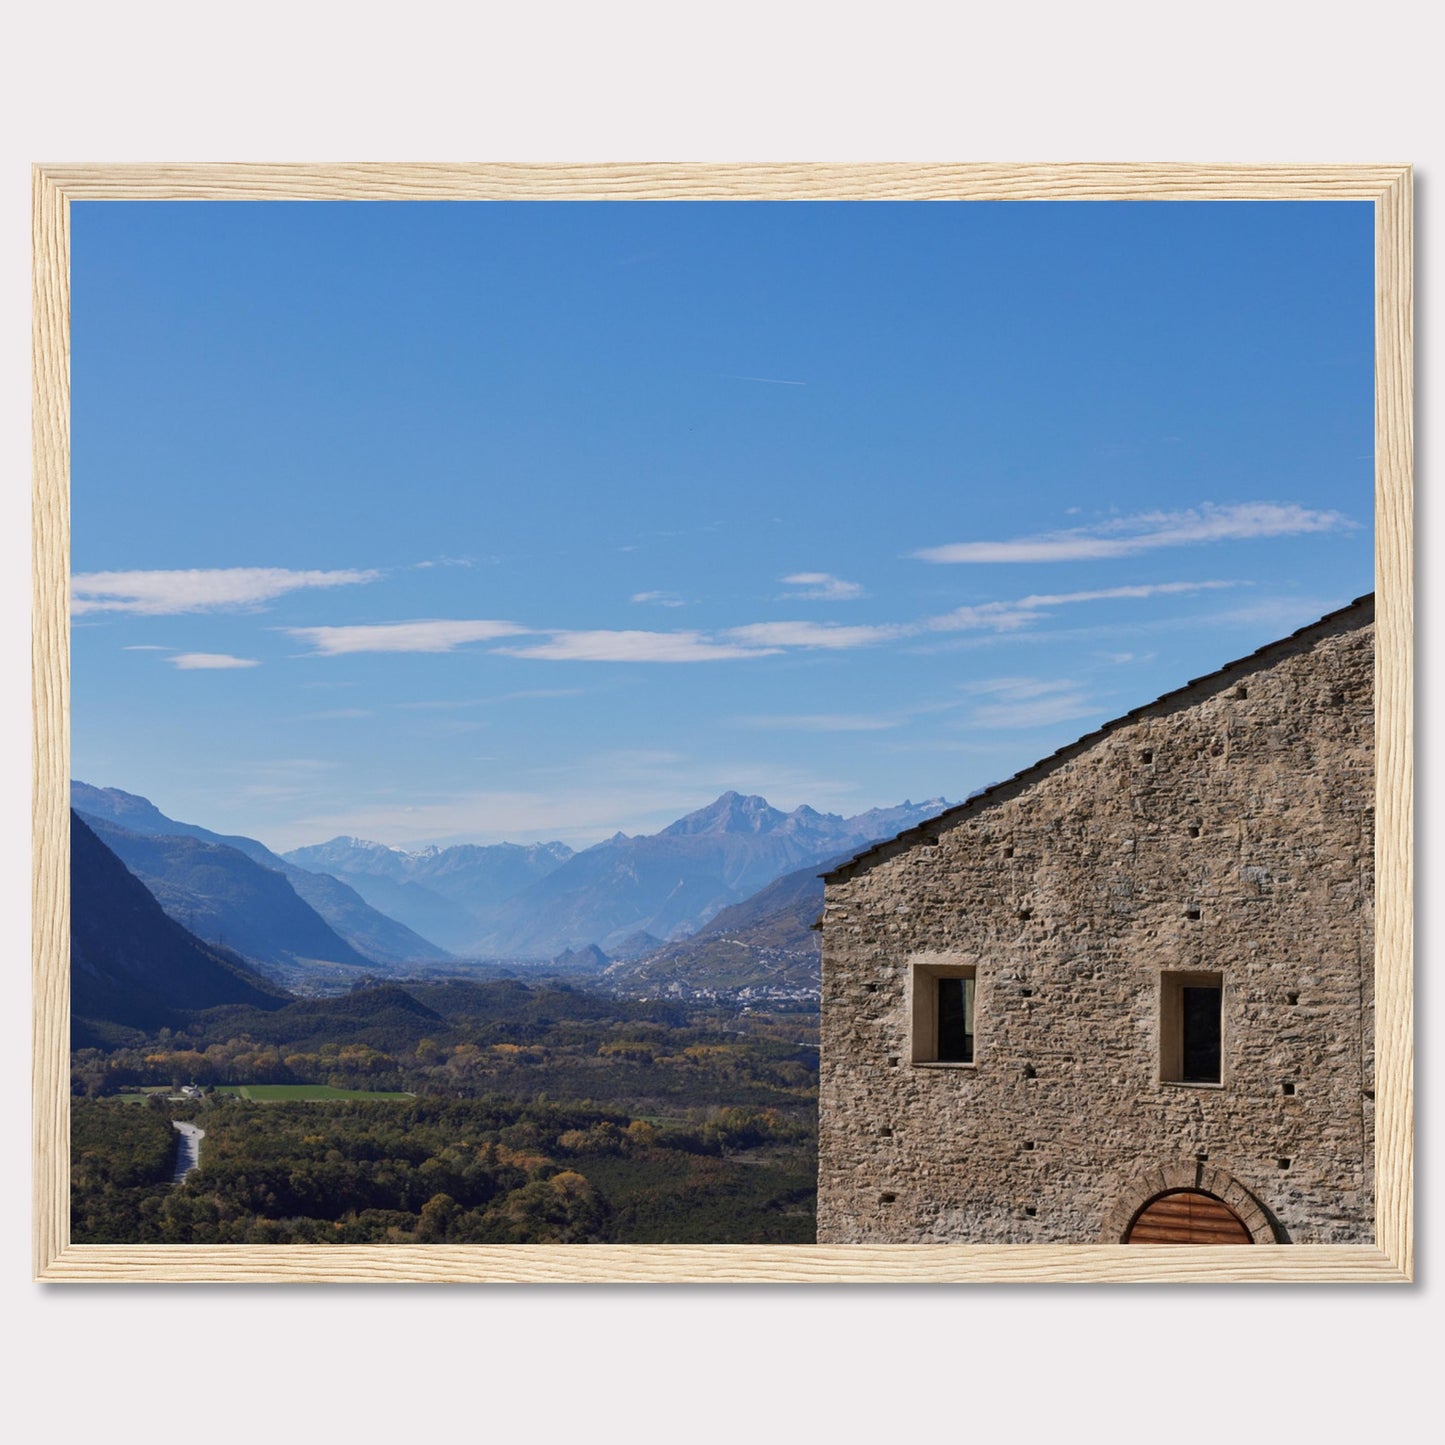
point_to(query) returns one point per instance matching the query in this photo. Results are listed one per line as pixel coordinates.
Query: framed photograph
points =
(705, 723)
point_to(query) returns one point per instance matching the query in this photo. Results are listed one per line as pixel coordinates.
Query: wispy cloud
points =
(1044, 712)
(822, 722)
(992, 617)
(814, 634)
(337, 712)
(821, 587)
(1019, 689)
(755, 639)
(209, 661)
(1125, 536)
(602, 646)
(1110, 594)
(771, 380)
(147, 647)
(457, 704)
(446, 562)
(660, 599)
(1030, 702)
(218, 589)
(423, 636)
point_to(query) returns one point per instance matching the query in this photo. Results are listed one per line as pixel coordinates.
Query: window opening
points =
(955, 1020)
(1201, 1042)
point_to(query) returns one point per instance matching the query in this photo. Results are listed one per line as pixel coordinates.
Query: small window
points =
(943, 1015)
(1191, 1028)
(955, 1020)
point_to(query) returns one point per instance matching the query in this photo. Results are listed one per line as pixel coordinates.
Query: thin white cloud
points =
(1275, 614)
(446, 562)
(1009, 616)
(1125, 536)
(1029, 702)
(770, 380)
(147, 647)
(602, 646)
(1020, 689)
(424, 636)
(813, 634)
(216, 589)
(826, 722)
(337, 712)
(821, 587)
(1109, 594)
(756, 639)
(209, 661)
(1038, 713)
(660, 599)
(986, 616)
(521, 695)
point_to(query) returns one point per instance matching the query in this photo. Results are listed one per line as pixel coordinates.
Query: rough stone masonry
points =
(1223, 832)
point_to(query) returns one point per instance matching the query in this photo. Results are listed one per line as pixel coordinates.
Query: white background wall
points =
(742, 81)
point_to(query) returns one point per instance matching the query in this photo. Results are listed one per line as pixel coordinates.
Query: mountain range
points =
(734, 880)
(540, 902)
(445, 894)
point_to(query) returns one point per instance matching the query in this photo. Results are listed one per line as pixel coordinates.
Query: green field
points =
(276, 1093)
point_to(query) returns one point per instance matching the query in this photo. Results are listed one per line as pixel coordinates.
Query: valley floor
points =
(465, 1113)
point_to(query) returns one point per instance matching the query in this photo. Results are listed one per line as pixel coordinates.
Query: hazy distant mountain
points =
(586, 960)
(132, 965)
(369, 931)
(444, 893)
(769, 939)
(670, 883)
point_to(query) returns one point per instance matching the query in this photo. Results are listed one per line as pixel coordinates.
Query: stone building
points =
(1126, 995)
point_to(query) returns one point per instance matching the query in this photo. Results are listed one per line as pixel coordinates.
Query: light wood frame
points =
(1389, 1259)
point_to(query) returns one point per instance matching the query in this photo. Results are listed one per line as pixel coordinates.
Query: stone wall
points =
(1225, 828)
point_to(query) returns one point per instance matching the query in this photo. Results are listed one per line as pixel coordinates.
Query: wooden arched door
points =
(1187, 1216)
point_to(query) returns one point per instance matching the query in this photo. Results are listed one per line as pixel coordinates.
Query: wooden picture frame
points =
(1389, 1259)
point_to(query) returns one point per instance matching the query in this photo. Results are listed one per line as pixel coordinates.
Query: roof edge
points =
(980, 800)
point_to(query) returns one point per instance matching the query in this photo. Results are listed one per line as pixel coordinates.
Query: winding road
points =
(188, 1155)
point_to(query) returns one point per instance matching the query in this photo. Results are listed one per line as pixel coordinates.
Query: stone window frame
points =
(1172, 983)
(923, 1009)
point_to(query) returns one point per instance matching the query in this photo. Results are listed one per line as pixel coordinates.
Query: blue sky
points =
(517, 521)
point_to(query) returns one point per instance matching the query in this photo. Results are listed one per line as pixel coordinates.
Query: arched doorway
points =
(1187, 1216)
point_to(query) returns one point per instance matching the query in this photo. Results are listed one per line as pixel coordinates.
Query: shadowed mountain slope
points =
(222, 896)
(368, 929)
(130, 964)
